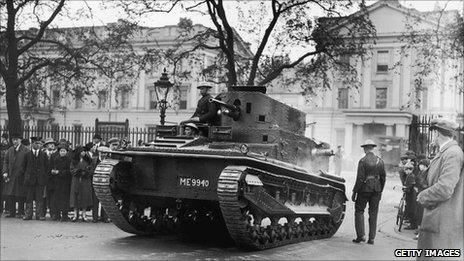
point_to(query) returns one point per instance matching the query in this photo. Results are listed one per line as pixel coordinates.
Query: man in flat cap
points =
(442, 221)
(206, 111)
(370, 181)
(13, 174)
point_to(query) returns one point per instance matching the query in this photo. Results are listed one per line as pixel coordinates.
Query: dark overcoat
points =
(36, 169)
(62, 180)
(442, 221)
(14, 165)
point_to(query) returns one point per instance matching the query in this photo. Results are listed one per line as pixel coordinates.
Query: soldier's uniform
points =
(206, 111)
(370, 181)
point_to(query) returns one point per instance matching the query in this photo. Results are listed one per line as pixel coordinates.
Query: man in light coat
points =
(442, 221)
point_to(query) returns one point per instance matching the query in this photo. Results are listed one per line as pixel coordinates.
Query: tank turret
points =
(254, 176)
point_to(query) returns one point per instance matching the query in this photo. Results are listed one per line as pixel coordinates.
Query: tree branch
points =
(43, 27)
(32, 71)
(274, 74)
(259, 51)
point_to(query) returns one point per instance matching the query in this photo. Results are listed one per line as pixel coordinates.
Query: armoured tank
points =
(255, 177)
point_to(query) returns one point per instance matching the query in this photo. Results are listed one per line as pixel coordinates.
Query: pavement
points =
(40, 240)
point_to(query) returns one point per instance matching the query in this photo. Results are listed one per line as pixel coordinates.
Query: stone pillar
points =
(401, 130)
(142, 91)
(395, 88)
(348, 138)
(389, 130)
(366, 82)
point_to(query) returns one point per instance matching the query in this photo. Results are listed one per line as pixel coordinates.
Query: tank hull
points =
(258, 201)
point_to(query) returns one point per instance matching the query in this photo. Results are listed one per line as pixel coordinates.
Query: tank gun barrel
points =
(229, 109)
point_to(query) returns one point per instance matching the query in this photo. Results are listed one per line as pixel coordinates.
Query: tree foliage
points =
(435, 47)
(68, 58)
(277, 30)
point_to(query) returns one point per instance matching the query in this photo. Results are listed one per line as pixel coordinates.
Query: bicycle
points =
(401, 212)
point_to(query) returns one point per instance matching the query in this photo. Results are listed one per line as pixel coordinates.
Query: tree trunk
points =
(15, 126)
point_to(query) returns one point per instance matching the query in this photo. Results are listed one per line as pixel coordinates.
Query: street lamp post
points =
(162, 87)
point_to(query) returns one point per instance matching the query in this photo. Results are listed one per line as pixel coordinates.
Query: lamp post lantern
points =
(162, 87)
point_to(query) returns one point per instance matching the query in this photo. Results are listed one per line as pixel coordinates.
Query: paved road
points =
(56, 240)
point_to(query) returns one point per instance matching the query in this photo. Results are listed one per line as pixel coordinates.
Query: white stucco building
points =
(381, 109)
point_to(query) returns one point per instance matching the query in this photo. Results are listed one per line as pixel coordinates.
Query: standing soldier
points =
(35, 179)
(13, 173)
(442, 222)
(3, 149)
(370, 181)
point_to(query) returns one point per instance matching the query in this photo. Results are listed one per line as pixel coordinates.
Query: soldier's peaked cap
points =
(369, 142)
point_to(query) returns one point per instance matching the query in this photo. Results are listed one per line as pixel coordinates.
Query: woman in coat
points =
(81, 184)
(61, 171)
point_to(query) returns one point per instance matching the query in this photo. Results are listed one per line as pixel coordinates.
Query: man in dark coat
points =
(13, 174)
(370, 181)
(50, 152)
(206, 110)
(35, 179)
(3, 149)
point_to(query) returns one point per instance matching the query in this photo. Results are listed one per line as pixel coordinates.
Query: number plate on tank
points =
(193, 182)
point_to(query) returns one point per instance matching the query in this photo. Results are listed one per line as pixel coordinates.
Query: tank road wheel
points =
(124, 213)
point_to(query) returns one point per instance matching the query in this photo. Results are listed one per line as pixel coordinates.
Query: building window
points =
(124, 99)
(381, 98)
(56, 98)
(153, 102)
(102, 98)
(383, 59)
(343, 98)
(183, 96)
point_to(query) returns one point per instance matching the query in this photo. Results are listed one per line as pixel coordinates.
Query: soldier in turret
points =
(370, 181)
(206, 110)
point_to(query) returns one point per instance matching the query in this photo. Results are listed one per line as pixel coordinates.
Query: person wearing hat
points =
(206, 111)
(35, 179)
(60, 170)
(370, 181)
(410, 209)
(113, 143)
(191, 130)
(13, 175)
(419, 185)
(4, 144)
(81, 184)
(96, 216)
(50, 152)
(443, 200)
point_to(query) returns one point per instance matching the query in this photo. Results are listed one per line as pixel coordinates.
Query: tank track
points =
(102, 185)
(253, 236)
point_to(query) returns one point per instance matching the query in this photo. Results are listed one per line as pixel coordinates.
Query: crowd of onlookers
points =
(41, 176)
(413, 174)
